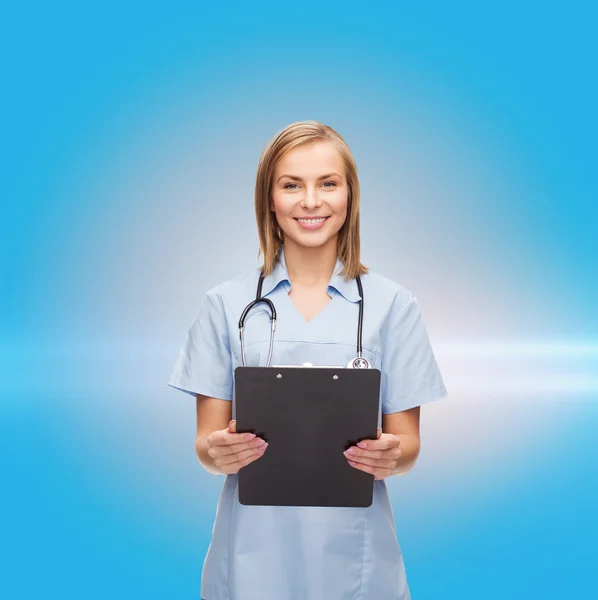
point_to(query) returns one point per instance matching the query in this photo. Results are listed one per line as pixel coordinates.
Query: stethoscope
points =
(359, 362)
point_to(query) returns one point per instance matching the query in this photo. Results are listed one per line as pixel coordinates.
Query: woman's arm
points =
(405, 425)
(213, 414)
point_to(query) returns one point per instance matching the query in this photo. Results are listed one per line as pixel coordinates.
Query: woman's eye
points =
(288, 185)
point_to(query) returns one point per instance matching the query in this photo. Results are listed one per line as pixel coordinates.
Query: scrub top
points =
(307, 553)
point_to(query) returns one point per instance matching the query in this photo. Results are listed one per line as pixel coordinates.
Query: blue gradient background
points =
(130, 138)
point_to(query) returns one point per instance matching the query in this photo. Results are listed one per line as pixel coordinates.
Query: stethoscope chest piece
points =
(359, 363)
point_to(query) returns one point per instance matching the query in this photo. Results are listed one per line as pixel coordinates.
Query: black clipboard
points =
(309, 416)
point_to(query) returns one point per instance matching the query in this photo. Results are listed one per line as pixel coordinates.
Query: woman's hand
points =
(231, 451)
(378, 457)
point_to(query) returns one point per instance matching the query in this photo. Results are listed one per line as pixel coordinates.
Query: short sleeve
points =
(410, 374)
(204, 364)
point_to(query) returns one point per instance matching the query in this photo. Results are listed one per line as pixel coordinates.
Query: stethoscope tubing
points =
(259, 299)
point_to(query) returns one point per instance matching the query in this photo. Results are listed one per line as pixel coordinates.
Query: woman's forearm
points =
(409, 446)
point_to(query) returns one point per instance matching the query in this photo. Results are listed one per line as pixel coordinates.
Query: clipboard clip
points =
(308, 365)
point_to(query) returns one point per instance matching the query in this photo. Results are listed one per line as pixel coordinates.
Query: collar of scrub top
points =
(347, 289)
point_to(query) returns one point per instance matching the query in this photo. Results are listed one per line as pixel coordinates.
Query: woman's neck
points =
(310, 267)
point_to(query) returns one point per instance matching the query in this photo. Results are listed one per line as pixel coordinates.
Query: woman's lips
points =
(311, 223)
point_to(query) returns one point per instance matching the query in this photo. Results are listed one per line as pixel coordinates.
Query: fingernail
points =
(249, 436)
(362, 445)
(263, 448)
(259, 443)
(350, 451)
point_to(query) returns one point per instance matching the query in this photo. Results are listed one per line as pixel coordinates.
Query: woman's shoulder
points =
(238, 286)
(388, 291)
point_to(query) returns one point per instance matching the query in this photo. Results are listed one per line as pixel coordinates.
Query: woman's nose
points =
(310, 199)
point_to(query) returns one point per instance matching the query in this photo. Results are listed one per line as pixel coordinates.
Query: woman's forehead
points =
(311, 160)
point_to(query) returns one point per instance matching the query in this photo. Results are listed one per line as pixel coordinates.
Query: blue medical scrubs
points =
(307, 553)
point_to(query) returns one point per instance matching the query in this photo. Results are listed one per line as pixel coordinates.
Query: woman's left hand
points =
(378, 457)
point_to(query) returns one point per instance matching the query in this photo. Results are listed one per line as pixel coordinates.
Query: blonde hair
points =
(270, 234)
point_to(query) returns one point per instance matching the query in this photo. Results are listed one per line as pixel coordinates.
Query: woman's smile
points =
(311, 223)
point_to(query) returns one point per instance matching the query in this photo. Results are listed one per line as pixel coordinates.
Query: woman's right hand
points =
(231, 451)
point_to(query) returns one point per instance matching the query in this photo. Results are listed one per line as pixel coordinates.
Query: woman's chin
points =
(311, 239)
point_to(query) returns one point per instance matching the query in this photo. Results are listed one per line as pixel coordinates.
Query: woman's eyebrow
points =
(299, 178)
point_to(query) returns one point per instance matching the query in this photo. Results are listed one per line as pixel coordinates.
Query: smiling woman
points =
(307, 211)
(317, 202)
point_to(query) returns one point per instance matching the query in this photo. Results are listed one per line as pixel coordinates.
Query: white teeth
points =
(311, 220)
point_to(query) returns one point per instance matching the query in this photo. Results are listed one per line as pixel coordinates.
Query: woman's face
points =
(309, 181)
